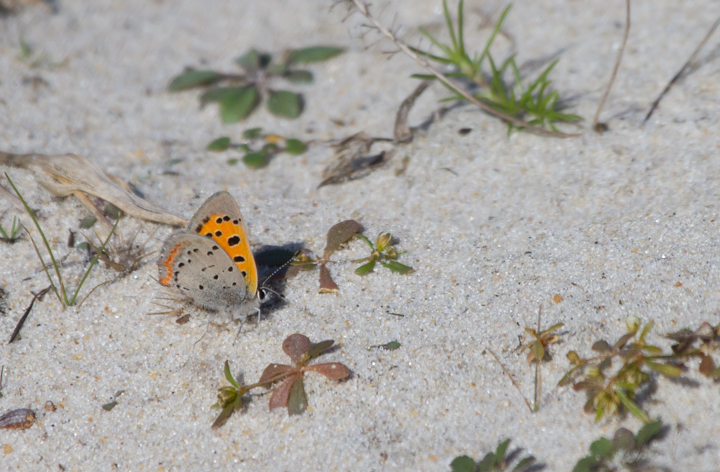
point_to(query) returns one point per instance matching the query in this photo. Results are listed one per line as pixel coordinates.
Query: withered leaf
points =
(327, 285)
(706, 365)
(22, 418)
(274, 370)
(352, 159)
(340, 234)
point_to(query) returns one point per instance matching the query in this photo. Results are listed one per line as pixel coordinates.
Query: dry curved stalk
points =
(600, 127)
(364, 11)
(69, 174)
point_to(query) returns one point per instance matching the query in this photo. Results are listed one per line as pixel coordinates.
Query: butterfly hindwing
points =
(219, 218)
(197, 267)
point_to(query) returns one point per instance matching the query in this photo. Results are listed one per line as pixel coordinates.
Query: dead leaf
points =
(352, 160)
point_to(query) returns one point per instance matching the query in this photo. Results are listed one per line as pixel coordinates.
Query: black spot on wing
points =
(233, 240)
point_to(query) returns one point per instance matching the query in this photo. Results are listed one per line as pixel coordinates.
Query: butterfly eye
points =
(262, 294)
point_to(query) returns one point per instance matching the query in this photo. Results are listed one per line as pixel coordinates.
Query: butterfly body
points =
(210, 262)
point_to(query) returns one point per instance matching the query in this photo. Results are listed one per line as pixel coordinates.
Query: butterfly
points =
(210, 261)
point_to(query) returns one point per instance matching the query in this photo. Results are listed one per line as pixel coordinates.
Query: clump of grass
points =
(498, 461)
(57, 284)
(533, 102)
(254, 156)
(14, 233)
(625, 451)
(240, 94)
(609, 389)
(290, 390)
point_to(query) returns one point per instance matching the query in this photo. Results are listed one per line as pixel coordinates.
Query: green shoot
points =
(533, 103)
(256, 157)
(498, 461)
(14, 233)
(61, 293)
(384, 252)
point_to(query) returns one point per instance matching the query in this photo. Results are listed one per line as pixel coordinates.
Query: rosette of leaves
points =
(14, 233)
(290, 393)
(498, 461)
(625, 451)
(532, 102)
(230, 398)
(258, 147)
(240, 94)
(384, 252)
(609, 390)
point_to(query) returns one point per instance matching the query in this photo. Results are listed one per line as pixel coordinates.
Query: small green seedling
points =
(391, 346)
(534, 101)
(240, 94)
(498, 461)
(538, 352)
(14, 233)
(113, 402)
(382, 251)
(58, 289)
(608, 390)
(625, 451)
(230, 398)
(290, 393)
(255, 156)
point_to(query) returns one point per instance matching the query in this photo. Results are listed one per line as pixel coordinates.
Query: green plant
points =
(59, 289)
(534, 101)
(625, 451)
(608, 390)
(290, 393)
(14, 232)
(382, 251)
(258, 157)
(497, 461)
(240, 94)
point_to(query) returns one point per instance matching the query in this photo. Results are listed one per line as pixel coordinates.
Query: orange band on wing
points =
(168, 265)
(230, 235)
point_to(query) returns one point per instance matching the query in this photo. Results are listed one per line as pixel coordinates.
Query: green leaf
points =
(219, 144)
(109, 406)
(665, 369)
(463, 464)
(647, 433)
(395, 266)
(285, 104)
(299, 76)
(502, 447)
(602, 449)
(391, 346)
(252, 133)
(229, 376)
(631, 406)
(232, 162)
(253, 60)
(239, 105)
(319, 348)
(297, 401)
(586, 464)
(314, 54)
(112, 211)
(88, 222)
(218, 94)
(255, 160)
(365, 268)
(295, 146)
(193, 78)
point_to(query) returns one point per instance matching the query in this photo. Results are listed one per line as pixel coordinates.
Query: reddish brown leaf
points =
(331, 370)
(274, 370)
(706, 365)
(327, 285)
(295, 346)
(279, 398)
(340, 234)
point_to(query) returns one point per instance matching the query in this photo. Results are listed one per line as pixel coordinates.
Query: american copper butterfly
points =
(210, 262)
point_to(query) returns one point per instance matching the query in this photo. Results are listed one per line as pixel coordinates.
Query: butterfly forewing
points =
(219, 218)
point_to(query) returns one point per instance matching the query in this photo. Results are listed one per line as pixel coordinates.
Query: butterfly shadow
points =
(273, 263)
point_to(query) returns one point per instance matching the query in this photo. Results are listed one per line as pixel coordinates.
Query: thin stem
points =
(617, 65)
(93, 262)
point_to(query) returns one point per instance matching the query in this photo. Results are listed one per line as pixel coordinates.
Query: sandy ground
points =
(625, 223)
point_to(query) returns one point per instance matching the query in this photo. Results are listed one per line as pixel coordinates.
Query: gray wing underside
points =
(202, 271)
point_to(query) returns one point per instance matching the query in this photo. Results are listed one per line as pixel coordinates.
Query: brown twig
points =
(681, 71)
(18, 327)
(599, 127)
(363, 9)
